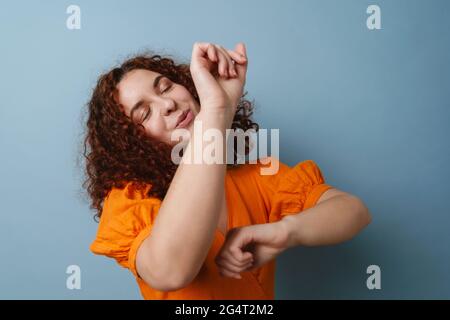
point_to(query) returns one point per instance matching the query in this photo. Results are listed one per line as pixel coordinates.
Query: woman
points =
(203, 230)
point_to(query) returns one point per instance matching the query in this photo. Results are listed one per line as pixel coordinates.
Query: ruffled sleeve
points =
(127, 218)
(291, 190)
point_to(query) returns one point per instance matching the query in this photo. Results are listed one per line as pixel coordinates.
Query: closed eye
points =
(149, 108)
(147, 113)
(167, 89)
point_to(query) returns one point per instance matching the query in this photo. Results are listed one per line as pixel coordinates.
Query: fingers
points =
(223, 64)
(232, 267)
(199, 50)
(230, 274)
(212, 55)
(237, 56)
(230, 270)
(230, 69)
(240, 56)
(238, 263)
(226, 67)
(241, 49)
(227, 59)
(238, 254)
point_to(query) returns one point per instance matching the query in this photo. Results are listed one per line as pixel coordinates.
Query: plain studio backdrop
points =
(370, 107)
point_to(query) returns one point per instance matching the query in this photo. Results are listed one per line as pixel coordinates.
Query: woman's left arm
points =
(337, 216)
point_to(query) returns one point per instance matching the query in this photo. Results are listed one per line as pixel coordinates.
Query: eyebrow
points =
(140, 102)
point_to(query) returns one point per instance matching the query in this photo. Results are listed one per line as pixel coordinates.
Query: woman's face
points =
(157, 103)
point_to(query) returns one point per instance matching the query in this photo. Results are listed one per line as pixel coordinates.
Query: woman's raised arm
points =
(183, 231)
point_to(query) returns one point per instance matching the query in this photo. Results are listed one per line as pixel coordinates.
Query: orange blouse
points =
(252, 198)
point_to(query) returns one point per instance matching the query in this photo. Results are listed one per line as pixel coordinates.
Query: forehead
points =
(133, 85)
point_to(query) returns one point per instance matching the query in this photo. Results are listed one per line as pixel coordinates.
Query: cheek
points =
(155, 129)
(184, 94)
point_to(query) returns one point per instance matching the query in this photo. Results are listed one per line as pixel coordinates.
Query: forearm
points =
(184, 229)
(330, 222)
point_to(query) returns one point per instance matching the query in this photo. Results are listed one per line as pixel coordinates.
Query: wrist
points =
(216, 114)
(290, 230)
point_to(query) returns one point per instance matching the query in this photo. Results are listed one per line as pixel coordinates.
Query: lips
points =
(184, 119)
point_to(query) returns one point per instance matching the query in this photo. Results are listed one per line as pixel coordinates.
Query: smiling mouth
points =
(185, 119)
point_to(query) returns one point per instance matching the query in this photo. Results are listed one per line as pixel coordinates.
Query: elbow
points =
(159, 276)
(364, 216)
(162, 277)
(162, 281)
(169, 285)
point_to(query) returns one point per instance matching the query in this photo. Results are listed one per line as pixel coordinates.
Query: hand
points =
(250, 247)
(211, 69)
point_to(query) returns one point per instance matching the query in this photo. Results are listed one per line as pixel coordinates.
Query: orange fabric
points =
(252, 198)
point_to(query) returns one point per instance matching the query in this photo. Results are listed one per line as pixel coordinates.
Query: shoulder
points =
(127, 215)
(120, 198)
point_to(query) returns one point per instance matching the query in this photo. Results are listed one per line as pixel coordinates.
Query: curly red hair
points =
(117, 151)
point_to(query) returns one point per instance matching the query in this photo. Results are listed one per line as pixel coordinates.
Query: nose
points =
(167, 106)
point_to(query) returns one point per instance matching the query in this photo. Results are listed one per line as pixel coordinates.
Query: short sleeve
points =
(291, 190)
(126, 220)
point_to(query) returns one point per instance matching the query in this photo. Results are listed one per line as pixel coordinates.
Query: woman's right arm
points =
(183, 231)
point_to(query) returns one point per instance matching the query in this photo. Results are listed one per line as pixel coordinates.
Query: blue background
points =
(370, 107)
